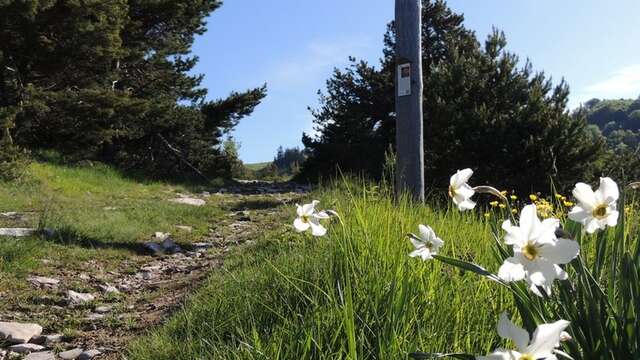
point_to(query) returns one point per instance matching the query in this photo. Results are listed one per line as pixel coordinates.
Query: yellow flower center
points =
(600, 212)
(530, 251)
(305, 218)
(526, 357)
(452, 191)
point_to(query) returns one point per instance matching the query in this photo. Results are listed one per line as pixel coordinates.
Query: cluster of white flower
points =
(309, 219)
(538, 253)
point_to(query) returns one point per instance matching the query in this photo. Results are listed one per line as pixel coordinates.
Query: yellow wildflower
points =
(493, 203)
(503, 192)
(558, 196)
(487, 215)
(568, 203)
(513, 197)
(502, 206)
(533, 197)
(514, 211)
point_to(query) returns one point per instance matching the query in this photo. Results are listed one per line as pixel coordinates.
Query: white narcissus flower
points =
(460, 191)
(427, 243)
(542, 345)
(309, 218)
(536, 251)
(596, 209)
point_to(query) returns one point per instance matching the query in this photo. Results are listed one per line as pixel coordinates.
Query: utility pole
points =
(409, 143)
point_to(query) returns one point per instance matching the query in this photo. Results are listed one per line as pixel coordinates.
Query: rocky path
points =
(100, 310)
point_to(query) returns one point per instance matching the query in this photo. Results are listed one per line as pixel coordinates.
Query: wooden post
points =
(409, 143)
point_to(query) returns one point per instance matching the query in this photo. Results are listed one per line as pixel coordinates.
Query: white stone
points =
(18, 333)
(26, 348)
(70, 354)
(103, 309)
(109, 289)
(77, 298)
(43, 281)
(184, 228)
(189, 201)
(42, 355)
(17, 232)
(94, 317)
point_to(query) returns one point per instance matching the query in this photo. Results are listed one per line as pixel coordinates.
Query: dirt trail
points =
(144, 290)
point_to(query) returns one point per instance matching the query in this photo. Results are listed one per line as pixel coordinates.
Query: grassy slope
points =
(257, 166)
(353, 294)
(97, 215)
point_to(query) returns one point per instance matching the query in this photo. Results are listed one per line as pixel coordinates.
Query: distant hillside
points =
(617, 120)
(258, 166)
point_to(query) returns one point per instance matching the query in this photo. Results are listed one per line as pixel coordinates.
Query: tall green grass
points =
(353, 294)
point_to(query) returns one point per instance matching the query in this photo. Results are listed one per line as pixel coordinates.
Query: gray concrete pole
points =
(409, 142)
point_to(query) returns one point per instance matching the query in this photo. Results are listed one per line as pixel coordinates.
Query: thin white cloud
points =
(622, 83)
(315, 61)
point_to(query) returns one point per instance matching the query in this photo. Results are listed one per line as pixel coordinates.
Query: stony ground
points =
(100, 305)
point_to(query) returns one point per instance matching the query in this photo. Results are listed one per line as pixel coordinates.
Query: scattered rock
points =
(18, 333)
(88, 355)
(84, 277)
(160, 235)
(170, 247)
(47, 340)
(201, 246)
(26, 348)
(17, 232)
(154, 248)
(189, 201)
(94, 317)
(76, 298)
(109, 289)
(103, 309)
(184, 228)
(71, 354)
(41, 281)
(42, 355)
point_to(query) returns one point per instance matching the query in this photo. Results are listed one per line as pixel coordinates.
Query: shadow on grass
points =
(69, 236)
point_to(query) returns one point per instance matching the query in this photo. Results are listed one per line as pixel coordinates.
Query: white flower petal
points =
(541, 272)
(317, 229)
(562, 252)
(426, 233)
(300, 225)
(585, 195)
(612, 218)
(465, 205)
(529, 221)
(299, 210)
(460, 177)
(321, 215)
(608, 191)
(580, 215)
(508, 330)
(546, 338)
(308, 209)
(501, 354)
(466, 191)
(514, 235)
(593, 225)
(560, 273)
(424, 253)
(546, 232)
(511, 270)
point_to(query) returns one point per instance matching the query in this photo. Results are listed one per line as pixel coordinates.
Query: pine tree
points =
(111, 80)
(481, 110)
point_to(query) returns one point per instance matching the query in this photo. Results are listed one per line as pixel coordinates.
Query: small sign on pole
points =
(404, 79)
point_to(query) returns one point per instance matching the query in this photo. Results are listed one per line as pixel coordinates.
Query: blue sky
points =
(293, 45)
